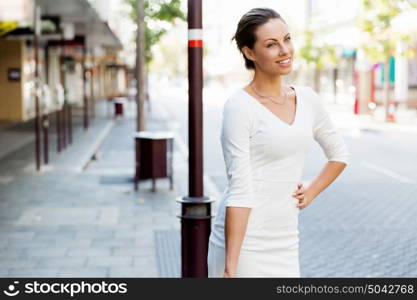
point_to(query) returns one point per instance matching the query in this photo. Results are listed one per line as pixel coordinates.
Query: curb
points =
(94, 147)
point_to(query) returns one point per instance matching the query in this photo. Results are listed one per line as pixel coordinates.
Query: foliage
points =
(159, 16)
(316, 55)
(376, 21)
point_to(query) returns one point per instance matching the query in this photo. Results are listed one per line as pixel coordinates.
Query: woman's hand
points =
(301, 195)
(228, 274)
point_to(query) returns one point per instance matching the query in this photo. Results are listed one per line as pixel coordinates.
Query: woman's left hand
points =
(300, 194)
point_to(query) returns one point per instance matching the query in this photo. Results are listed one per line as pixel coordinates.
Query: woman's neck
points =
(267, 85)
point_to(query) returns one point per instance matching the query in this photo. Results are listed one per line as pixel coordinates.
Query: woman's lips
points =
(285, 64)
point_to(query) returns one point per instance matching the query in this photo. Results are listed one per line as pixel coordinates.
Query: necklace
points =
(268, 97)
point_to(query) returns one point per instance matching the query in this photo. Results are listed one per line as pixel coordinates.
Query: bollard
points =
(195, 231)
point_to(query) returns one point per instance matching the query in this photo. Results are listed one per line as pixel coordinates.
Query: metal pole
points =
(37, 110)
(64, 127)
(58, 130)
(195, 116)
(196, 208)
(58, 111)
(85, 110)
(45, 117)
(67, 108)
(45, 126)
(93, 100)
(69, 118)
(140, 66)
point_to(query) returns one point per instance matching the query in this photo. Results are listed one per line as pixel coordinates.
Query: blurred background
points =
(69, 118)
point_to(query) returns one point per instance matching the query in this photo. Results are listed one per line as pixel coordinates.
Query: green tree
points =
(316, 56)
(376, 21)
(159, 15)
(153, 18)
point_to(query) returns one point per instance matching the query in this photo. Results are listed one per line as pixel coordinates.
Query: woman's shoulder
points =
(308, 94)
(237, 108)
(236, 100)
(307, 90)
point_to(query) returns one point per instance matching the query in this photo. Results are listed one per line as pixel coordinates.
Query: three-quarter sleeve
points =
(326, 134)
(235, 140)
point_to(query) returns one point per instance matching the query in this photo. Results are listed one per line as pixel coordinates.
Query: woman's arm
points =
(235, 228)
(334, 147)
(328, 174)
(235, 139)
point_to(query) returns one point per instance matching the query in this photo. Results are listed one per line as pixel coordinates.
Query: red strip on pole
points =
(195, 44)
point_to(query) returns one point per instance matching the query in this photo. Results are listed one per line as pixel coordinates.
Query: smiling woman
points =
(267, 131)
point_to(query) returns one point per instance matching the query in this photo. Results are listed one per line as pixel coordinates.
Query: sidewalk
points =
(343, 115)
(406, 120)
(71, 221)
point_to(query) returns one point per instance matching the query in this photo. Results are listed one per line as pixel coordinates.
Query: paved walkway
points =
(71, 221)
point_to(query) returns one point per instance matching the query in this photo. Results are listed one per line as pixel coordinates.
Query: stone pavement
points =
(82, 218)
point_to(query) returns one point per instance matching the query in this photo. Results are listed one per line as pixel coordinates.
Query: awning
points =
(86, 20)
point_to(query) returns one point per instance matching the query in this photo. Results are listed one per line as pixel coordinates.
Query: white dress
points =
(264, 159)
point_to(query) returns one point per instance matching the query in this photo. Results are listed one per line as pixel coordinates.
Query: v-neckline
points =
(297, 104)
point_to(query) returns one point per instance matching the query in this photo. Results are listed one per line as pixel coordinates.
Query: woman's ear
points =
(248, 53)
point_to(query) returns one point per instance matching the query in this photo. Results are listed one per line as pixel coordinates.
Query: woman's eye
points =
(270, 45)
(288, 38)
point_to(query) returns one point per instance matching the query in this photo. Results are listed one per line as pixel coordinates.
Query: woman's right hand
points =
(228, 274)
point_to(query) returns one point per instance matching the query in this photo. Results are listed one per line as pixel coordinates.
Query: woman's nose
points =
(284, 51)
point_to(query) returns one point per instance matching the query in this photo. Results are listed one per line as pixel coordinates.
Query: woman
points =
(267, 131)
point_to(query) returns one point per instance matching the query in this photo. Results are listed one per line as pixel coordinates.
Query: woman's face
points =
(272, 49)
